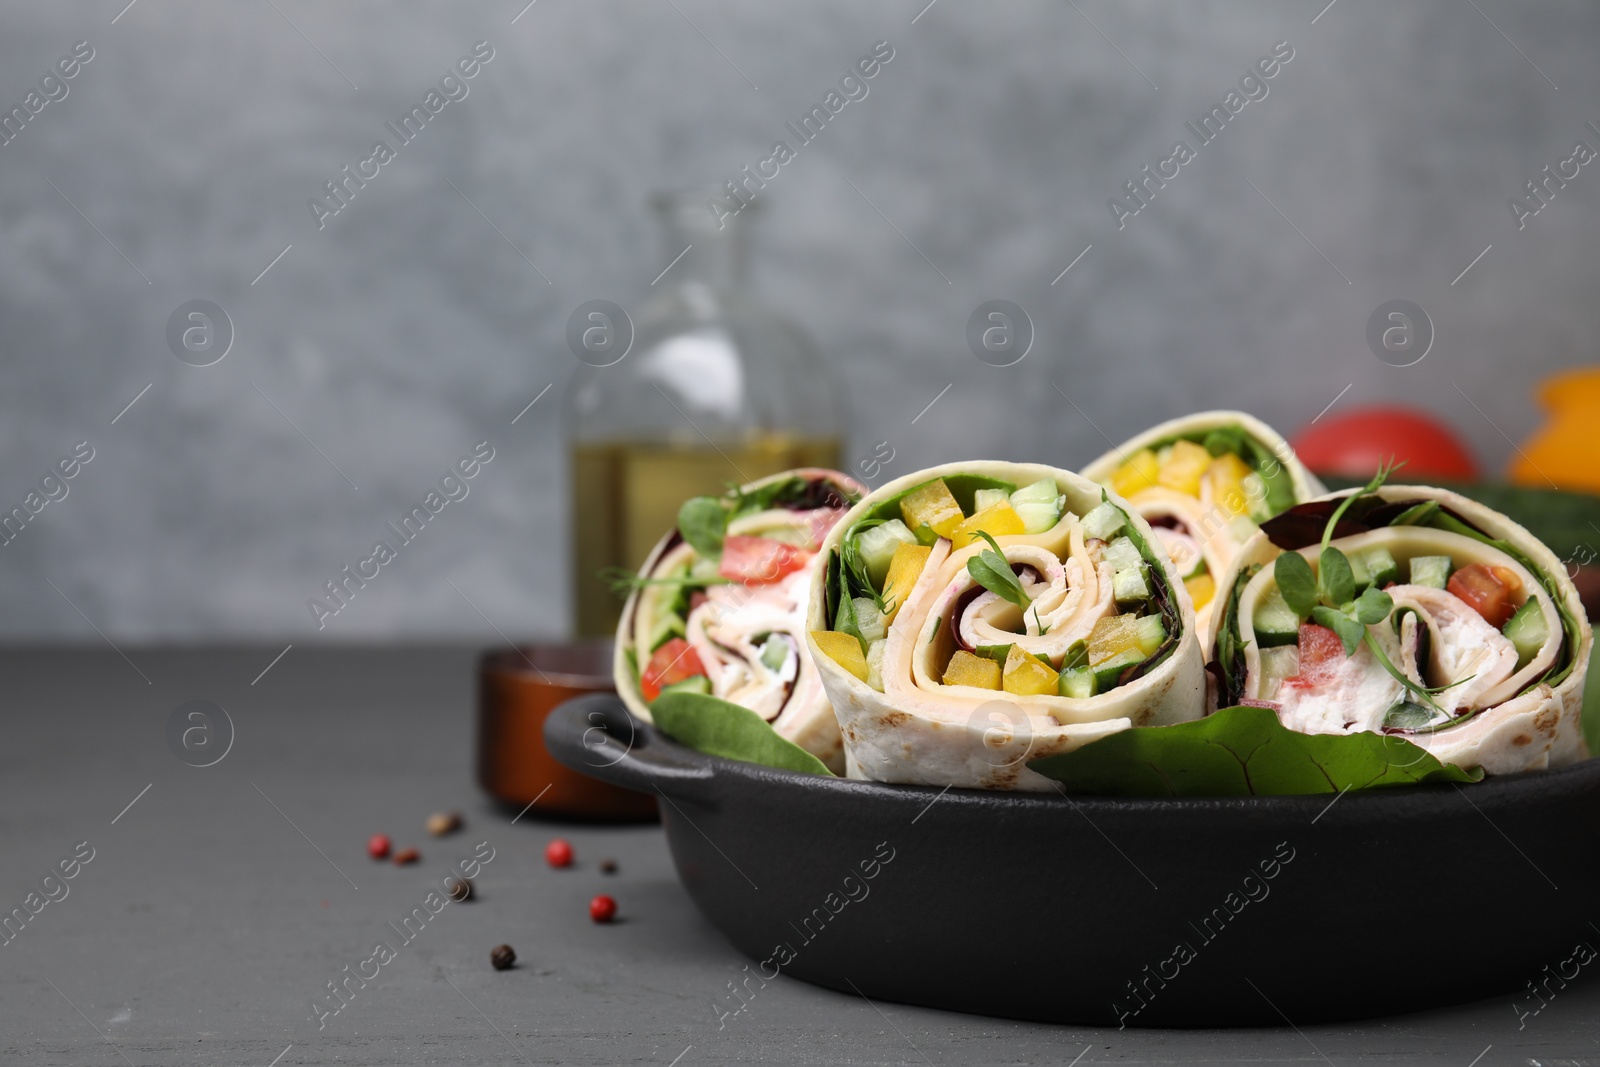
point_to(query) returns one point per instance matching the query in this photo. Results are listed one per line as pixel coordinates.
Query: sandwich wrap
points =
(1477, 616)
(719, 605)
(1204, 482)
(975, 616)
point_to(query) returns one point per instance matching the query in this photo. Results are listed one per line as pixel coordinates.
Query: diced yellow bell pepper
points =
(1202, 587)
(997, 520)
(1112, 636)
(844, 649)
(1138, 473)
(976, 671)
(1025, 676)
(933, 506)
(904, 570)
(1184, 466)
(1225, 478)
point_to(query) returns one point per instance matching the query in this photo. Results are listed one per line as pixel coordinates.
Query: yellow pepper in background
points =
(1563, 450)
(1137, 473)
(1225, 478)
(1202, 587)
(1184, 466)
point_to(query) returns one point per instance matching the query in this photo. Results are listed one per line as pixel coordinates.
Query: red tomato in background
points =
(1356, 443)
(672, 662)
(758, 560)
(1487, 590)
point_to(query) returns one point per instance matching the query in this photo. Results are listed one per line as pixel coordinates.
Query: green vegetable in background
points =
(1242, 751)
(1591, 702)
(719, 728)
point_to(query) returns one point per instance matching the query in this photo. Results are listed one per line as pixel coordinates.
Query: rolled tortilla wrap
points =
(1205, 504)
(736, 620)
(963, 686)
(1480, 608)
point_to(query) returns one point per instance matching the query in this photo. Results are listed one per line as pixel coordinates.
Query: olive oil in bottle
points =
(714, 390)
(627, 493)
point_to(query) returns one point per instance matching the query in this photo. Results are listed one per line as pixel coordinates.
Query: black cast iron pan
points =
(1103, 911)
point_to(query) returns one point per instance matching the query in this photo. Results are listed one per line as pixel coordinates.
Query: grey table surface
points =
(219, 904)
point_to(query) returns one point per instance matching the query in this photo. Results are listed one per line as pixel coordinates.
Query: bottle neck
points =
(700, 249)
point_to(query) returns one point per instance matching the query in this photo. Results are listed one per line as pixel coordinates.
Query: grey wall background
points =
(408, 329)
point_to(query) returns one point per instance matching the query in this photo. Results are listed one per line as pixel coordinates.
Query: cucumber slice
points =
(875, 664)
(1132, 586)
(664, 628)
(1277, 665)
(1105, 675)
(1151, 633)
(1121, 554)
(775, 653)
(1105, 521)
(1077, 655)
(1076, 682)
(986, 497)
(1038, 505)
(1037, 518)
(696, 683)
(1241, 528)
(875, 547)
(1255, 494)
(1431, 571)
(1527, 631)
(1043, 491)
(1374, 566)
(869, 620)
(1275, 622)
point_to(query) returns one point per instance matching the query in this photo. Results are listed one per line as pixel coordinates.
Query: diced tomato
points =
(1487, 590)
(758, 560)
(1320, 654)
(674, 661)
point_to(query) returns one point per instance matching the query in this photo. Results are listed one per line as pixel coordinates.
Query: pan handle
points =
(595, 735)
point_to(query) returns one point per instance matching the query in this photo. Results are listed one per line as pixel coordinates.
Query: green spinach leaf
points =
(1296, 582)
(1335, 577)
(702, 520)
(1407, 715)
(719, 728)
(1243, 751)
(990, 570)
(1349, 630)
(1373, 606)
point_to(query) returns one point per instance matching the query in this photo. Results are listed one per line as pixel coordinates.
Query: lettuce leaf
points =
(719, 728)
(703, 521)
(1243, 751)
